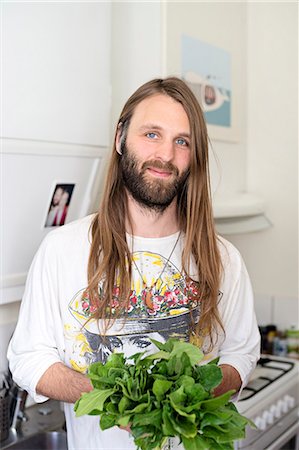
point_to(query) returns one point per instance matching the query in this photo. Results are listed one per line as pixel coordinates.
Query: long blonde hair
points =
(110, 257)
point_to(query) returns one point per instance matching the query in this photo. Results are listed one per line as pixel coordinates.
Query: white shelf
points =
(240, 213)
(238, 205)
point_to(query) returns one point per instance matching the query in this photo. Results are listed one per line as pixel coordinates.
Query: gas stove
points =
(271, 401)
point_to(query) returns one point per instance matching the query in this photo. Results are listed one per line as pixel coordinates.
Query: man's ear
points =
(118, 139)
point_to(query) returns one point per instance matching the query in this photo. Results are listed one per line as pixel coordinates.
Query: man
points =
(148, 264)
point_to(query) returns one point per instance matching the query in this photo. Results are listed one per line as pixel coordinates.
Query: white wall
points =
(136, 54)
(272, 156)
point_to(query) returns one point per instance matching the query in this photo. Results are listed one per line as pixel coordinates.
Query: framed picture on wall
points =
(207, 70)
(58, 208)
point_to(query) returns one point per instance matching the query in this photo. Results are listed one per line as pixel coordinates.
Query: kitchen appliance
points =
(4, 418)
(271, 401)
(4, 406)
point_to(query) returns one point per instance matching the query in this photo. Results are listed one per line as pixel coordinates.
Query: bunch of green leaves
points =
(164, 395)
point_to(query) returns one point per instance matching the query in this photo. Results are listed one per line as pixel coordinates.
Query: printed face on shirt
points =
(156, 154)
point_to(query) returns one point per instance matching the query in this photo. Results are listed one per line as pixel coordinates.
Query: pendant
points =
(148, 299)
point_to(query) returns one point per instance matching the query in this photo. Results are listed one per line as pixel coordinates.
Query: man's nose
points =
(165, 151)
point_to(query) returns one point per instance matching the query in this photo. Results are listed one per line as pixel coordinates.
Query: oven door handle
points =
(293, 431)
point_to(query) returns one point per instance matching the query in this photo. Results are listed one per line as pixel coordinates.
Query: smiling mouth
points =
(159, 172)
(158, 169)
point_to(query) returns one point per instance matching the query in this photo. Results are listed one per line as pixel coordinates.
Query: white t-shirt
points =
(52, 322)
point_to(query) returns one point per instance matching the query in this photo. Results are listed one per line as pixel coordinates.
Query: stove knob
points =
(270, 417)
(274, 411)
(279, 406)
(285, 406)
(260, 423)
(290, 401)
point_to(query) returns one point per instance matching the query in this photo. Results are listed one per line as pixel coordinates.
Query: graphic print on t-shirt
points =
(174, 308)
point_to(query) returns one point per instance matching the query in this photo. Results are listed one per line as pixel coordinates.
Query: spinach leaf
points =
(107, 421)
(90, 401)
(195, 443)
(160, 387)
(209, 376)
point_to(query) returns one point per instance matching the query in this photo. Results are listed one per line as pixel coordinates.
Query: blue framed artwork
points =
(207, 70)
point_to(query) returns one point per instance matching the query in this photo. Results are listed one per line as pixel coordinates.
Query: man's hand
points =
(62, 383)
(231, 380)
(127, 428)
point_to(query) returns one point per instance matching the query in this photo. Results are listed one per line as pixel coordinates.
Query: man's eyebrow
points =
(149, 126)
(153, 126)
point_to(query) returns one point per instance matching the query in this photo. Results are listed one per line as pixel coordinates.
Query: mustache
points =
(156, 164)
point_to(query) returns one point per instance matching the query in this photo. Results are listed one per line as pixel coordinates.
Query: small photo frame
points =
(59, 205)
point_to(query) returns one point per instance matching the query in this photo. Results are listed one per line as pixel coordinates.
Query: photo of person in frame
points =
(59, 205)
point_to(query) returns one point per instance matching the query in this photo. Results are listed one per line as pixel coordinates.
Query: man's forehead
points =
(159, 109)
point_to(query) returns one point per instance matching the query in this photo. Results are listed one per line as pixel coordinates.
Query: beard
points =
(155, 194)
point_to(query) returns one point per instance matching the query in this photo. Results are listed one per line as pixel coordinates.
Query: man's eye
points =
(151, 135)
(182, 141)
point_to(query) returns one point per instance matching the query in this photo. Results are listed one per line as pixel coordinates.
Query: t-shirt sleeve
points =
(34, 345)
(241, 345)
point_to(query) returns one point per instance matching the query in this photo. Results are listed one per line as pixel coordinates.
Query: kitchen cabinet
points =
(56, 71)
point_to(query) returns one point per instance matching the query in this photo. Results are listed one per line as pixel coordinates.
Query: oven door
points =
(289, 440)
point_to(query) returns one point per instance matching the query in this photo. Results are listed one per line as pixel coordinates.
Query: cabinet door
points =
(56, 71)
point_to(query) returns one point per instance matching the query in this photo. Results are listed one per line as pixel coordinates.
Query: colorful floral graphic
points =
(172, 297)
